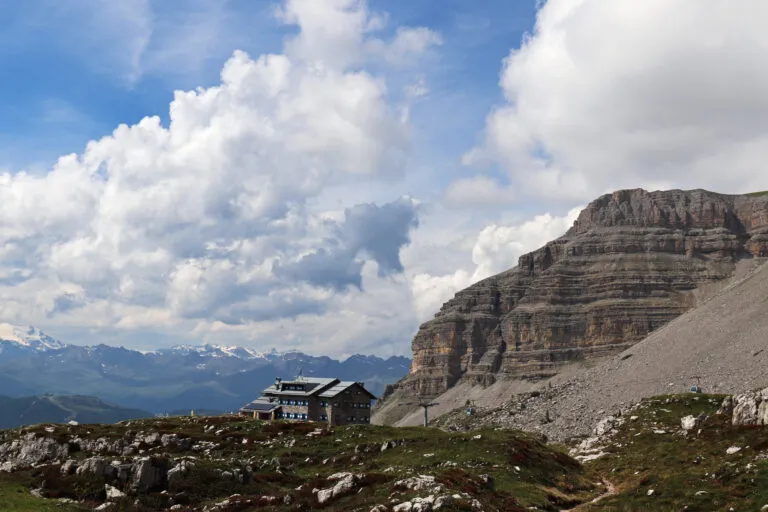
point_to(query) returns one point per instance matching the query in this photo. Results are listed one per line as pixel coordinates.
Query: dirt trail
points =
(610, 490)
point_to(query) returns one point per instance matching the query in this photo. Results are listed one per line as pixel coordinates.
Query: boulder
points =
(149, 474)
(98, 467)
(69, 467)
(113, 493)
(418, 483)
(345, 484)
(122, 471)
(727, 406)
(689, 422)
(177, 473)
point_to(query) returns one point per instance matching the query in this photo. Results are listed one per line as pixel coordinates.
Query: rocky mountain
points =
(15, 412)
(16, 341)
(179, 378)
(720, 346)
(632, 262)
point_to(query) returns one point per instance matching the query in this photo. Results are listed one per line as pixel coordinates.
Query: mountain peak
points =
(29, 337)
(234, 351)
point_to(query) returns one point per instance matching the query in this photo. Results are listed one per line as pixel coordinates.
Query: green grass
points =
(15, 496)
(677, 467)
(527, 472)
(758, 194)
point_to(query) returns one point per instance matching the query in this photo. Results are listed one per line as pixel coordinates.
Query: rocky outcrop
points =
(627, 266)
(345, 484)
(750, 409)
(149, 474)
(30, 451)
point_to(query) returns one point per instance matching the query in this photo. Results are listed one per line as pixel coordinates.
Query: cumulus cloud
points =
(478, 191)
(378, 232)
(210, 220)
(496, 248)
(604, 95)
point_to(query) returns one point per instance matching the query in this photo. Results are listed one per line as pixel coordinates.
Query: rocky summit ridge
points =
(632, 261)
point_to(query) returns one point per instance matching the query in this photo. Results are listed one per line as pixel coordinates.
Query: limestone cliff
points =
(627, 266)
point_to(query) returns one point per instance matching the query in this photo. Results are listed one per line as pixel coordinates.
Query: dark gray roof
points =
(342, 386)
(309, 380)
(314, 384)
(260, 405)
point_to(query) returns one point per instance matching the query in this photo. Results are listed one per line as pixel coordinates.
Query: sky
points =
(321, 175)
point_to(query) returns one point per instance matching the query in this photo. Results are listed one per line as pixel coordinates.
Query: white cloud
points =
(496, 248)
(616, 94)
(408, 46)
(430, 292)
(194, 225)
(478, 191)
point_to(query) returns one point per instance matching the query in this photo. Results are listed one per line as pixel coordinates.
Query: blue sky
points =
(322, 175)
(62, 92)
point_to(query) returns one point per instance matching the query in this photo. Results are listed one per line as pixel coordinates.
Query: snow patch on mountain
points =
(29, 337)
(233, 351)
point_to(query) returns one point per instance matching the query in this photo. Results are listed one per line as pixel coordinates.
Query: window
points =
(336, 404)
(303, 416)
(323, 417)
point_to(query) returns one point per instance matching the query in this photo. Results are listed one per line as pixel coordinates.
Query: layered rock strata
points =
(627, 266)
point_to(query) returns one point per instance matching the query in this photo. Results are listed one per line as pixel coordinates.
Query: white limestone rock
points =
(113, 493)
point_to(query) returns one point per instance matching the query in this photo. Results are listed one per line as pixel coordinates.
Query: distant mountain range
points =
(179, 378)
(15, 412)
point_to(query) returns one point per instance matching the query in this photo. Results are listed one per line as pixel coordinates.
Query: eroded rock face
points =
(29, 451)
(751, 408)
(626, 267)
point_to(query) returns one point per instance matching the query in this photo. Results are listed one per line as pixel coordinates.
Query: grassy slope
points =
(15, 496)
(686, 472)
(677, 467)
(545, 477)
